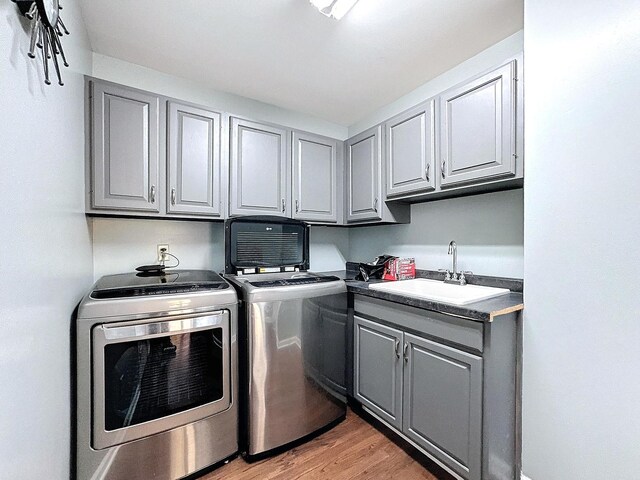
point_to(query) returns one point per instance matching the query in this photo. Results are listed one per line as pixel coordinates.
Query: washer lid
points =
(266, 244)
(167, 283)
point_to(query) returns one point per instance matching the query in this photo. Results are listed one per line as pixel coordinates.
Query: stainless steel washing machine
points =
(293, 335)
(157, 377)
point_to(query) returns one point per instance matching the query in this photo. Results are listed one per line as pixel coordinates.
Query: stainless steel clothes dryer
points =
(156, 365)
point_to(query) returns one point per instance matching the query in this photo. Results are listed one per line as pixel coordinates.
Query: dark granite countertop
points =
(484, 311)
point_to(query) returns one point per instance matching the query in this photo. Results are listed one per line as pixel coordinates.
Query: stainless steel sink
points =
(438, 291)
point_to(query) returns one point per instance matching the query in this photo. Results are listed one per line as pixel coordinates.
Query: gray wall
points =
(582, 248)
(120, 245)
(45, 259)
(487, 229)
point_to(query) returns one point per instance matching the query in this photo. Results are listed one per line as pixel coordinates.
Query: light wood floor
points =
(352, 450)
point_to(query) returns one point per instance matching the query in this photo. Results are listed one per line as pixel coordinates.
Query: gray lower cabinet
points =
(364, 175)
(411, 151)
(258, 169)
(125, 139)
(194, 174)
(315, 178)
(447, 384)
(442, 403)
(478, 128)
(378, 369)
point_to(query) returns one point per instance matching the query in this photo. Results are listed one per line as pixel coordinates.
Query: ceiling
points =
(284, 52)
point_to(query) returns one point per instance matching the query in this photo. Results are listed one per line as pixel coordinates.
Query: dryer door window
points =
(150, 379)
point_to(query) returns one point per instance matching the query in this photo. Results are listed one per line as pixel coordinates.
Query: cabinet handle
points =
(152, 194)
(426, 171)
(442, 169)
(404, 352)
(396, 347)
(284, 205)
(297, 206)
(173, 196)
(375, 205)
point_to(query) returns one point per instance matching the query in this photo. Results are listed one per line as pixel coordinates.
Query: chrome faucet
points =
(453, 250)
(454, 276)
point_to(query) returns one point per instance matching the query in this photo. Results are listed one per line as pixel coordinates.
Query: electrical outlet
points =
(163, 249)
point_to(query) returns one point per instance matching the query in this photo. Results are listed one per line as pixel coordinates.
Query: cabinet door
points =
(125, 149)
(411, 151)
(258, 169)
(478, 128)
(443, 403)
(193, 181)
(364, 175)
(315, 180)
(378, 369)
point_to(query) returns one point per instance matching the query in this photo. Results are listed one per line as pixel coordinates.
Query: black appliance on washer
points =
(293, 334)
(156, 366)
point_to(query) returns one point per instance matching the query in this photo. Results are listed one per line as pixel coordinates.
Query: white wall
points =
(582, 237)
(120, 245)
(487, 229)
(45, 259)
(115, 70)
(489, 58)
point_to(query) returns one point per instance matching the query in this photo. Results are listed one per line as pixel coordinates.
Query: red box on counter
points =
(400, 269)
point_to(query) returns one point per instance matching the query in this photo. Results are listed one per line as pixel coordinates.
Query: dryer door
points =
(152, 376)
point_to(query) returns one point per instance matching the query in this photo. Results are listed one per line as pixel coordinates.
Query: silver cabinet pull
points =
(375, 205)
(284, 205)
(426, 171)
(173, 196)
(442, 169)
(396, 347)
(405, 353)
(297, 206)
(152, 194)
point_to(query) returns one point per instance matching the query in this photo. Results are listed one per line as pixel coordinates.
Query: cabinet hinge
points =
(515, 155)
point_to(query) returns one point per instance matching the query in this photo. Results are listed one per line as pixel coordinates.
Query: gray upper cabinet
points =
(442, 409)
(194, 175)
(378, 369)
(364, 175)
(124, 149)
(315, 178)
(258, 169)
(478, 128)
(411, 151)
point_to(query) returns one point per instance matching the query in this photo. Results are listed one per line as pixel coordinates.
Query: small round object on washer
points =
(151, 269)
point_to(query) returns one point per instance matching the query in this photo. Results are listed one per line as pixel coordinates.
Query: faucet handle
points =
(447, 273)
(462, 278)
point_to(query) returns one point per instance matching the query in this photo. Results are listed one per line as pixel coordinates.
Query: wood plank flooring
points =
(352, 450)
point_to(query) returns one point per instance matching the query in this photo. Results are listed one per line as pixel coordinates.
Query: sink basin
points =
(439, 291)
